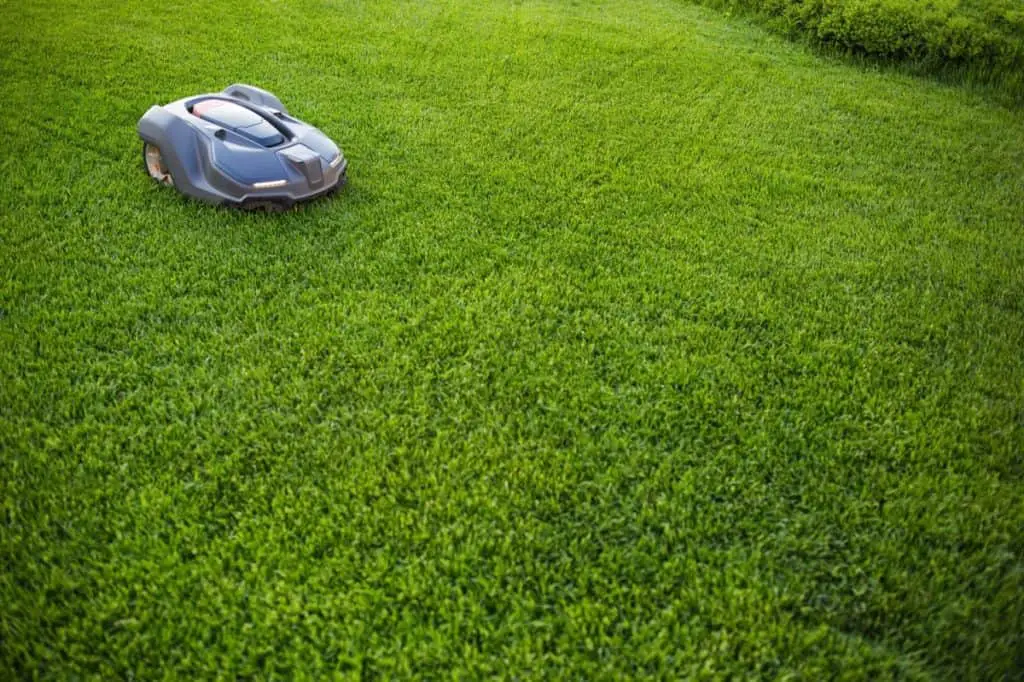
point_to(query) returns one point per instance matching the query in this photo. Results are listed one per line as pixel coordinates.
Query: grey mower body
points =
(239, 147)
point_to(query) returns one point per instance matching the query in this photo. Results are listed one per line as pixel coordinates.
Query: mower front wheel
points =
(153, 162)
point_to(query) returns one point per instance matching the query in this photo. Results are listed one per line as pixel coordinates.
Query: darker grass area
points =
(640, 343)
(977, 44)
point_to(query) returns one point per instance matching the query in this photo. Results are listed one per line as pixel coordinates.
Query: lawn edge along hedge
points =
(974, 42)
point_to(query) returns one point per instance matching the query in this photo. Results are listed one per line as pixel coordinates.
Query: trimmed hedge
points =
(986, 36)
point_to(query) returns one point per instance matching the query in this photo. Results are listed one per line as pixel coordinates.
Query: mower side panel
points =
(183, 151)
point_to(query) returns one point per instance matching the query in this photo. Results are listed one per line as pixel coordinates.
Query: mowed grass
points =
(642, 342)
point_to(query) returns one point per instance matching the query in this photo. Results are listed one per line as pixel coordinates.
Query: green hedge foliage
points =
(987, 36)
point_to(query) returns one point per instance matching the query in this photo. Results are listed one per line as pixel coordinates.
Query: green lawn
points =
(642, 342)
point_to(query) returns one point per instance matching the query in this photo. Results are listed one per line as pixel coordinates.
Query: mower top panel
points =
(235, 117)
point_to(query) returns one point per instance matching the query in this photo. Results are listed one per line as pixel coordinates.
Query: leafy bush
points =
(985, 36)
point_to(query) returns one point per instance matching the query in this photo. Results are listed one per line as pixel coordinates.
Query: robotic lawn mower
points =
(239, 147)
